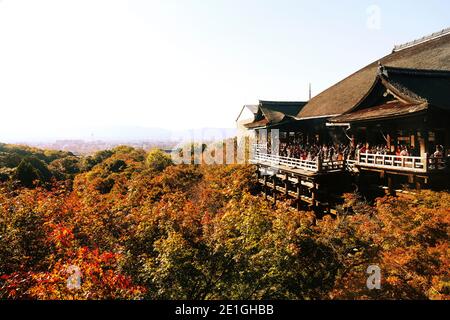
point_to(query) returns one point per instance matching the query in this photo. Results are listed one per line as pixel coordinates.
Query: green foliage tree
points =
(23, 234)
(65, 168)
(26, 174)
(118, 165)
(158, 160)
(149, 229)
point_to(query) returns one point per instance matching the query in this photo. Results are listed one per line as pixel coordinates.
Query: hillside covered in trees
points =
(131, 225)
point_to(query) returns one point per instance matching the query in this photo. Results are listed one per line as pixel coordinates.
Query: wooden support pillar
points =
(265, 187)
(298, 196)
(423, 142)
(274, 190)
(410, 178)
(314, 195)
(391, 189)
(319, 164)
(394, 141)
(286, 184)
(418, 183)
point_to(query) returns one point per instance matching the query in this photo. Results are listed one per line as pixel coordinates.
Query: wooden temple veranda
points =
(386, 125)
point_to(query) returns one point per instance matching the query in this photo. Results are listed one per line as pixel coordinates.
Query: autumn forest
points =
(132, 225)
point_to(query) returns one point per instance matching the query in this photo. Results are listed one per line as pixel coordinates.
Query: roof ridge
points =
(414, 71)
(281, 102)
(430, 37)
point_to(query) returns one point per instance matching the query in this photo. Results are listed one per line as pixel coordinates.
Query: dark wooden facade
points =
(406, 109)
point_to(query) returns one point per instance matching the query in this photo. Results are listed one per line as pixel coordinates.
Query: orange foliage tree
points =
(127, 225)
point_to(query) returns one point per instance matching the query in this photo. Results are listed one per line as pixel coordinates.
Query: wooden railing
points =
(363, 160)
(350, 165)
(275, 160)
(332, 165)
(403, 163)
(260, 146)
(311, 166)
(438, 164)
(382, 161)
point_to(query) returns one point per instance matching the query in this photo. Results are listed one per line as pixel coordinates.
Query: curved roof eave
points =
(344, 95)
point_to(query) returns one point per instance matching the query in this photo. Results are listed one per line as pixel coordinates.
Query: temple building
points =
(405, 109)
(386, 124)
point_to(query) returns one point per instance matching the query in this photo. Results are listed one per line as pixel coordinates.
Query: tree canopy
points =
(131, 225)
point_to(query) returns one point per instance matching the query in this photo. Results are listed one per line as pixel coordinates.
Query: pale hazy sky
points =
(187, 63)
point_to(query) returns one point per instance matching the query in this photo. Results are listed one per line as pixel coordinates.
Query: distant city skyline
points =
(89, 134)
(66, 66)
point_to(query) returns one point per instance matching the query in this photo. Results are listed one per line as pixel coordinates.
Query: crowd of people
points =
(341, 152)
(338, 152)
(400, 150)
(311, 152)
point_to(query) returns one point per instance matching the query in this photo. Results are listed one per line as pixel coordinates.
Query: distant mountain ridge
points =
(118, 133)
